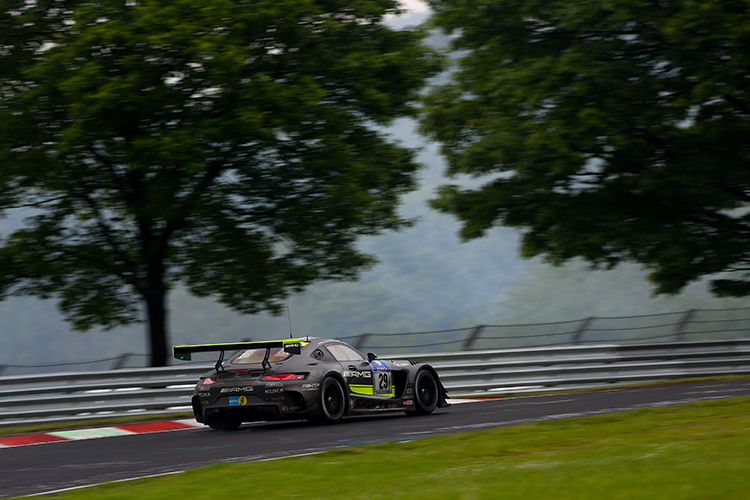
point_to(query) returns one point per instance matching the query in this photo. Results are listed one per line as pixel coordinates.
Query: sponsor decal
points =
(311, 387)
(382, 381)
(237, 401)
(408, 402)
(273, 391)
(293, 347)
(357, 374)
(274, 384)
(236, 389)
(291, 408)
(204, 394)
(380, 366)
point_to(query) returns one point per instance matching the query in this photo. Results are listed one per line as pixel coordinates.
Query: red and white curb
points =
(119, 430)
(94, 433)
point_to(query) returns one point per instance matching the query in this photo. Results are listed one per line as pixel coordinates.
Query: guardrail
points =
(150, 391)
(678, 326)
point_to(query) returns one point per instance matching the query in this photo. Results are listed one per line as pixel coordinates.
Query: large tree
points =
(614, 131)
(233, 146)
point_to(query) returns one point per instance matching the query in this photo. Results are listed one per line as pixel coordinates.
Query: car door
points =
(366, 378)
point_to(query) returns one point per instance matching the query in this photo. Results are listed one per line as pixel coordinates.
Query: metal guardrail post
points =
(679, 331)
(121, 361)
(2, 368)
(578, 335)
(473, 336)
(360, 342)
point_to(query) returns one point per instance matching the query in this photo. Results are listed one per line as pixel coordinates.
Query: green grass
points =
(695, 451)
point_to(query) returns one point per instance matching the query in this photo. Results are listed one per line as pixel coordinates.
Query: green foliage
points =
(234, 147)
(612, 131)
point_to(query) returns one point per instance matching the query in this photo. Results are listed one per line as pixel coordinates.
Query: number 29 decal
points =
(382, 379)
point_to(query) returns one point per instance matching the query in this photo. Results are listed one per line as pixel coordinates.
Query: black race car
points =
(315, 379)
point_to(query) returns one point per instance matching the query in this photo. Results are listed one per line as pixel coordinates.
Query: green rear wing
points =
(292, 346)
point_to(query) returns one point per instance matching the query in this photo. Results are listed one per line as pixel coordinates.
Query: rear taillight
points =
(283, 377)
(207, 381)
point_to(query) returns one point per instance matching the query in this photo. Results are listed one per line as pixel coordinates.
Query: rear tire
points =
(332, 401)
(425, 393)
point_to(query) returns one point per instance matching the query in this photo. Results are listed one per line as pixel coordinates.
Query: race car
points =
(316, 379)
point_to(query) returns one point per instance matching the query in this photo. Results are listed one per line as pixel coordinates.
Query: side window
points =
(344, 353)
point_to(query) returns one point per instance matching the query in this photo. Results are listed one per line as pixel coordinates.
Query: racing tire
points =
(332, 401)
(426, 393)
(224, 422)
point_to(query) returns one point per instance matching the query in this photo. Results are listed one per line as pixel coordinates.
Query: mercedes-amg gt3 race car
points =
(315, 379)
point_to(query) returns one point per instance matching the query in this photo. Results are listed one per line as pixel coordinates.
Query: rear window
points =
(249, 356)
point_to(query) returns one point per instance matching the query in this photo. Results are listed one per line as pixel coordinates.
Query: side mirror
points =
(371, 356)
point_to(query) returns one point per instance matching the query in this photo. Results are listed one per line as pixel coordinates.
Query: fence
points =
(692, 324)
(477, 373)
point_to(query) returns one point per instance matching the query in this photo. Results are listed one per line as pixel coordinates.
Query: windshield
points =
(256, 356)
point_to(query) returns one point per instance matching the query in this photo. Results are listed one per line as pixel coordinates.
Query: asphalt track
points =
(50, 467)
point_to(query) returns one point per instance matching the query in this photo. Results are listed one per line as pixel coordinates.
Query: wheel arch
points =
(443, 396)
(338, 376)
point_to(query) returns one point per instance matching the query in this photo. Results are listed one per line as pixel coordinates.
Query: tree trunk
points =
(157, 326)
(156, 298)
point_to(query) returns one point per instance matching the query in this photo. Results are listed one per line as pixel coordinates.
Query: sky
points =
(415, 6)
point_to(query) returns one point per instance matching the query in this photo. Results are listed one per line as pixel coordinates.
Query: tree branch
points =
(214, 170)
(119, 182)
(106, 232)
(35, 204)
(737, 103)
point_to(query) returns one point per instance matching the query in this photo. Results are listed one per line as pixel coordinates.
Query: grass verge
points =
(691, 451)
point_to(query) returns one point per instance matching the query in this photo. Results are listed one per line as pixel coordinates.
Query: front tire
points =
(425, 393)
(332, 401)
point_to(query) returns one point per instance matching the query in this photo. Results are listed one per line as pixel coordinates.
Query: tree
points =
(613, 131)
(234, 147)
